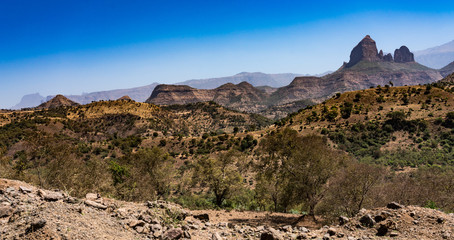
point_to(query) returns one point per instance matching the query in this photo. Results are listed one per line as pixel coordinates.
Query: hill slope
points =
(57, 101)
(448, 69)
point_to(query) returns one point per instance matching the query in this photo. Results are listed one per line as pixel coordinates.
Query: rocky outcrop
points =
(125, 98)
(165, 94)
(365, 50)
(403, 55)
(388, 57)
(366, 68)
(27, 215)
(242, 96)
(57, 101)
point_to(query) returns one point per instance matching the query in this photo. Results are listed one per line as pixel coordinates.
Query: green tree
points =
(302, 164)
(151, 173)
(346, 109)
(221, 175)
(350, 190)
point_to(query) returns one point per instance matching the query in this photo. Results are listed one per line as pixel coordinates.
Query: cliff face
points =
(178, 94)
(403, 55)
(242, 96)
(365, 50)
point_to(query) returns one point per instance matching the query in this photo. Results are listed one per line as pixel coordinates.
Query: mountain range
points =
(367, 68)
(140, 94)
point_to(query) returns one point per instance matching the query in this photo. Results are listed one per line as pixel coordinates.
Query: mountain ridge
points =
(367, 68)
(436, 57)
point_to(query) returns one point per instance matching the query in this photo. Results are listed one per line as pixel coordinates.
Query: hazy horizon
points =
(55, 47)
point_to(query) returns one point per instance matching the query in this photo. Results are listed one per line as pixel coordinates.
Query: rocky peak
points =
(57, 101)
(125, 98)
(388, 57)
(365, 50)
(403, 55)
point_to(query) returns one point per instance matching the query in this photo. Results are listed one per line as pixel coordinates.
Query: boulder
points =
(332, 231)
(92, 196)
(394, 205)
(36, 224)
(367, 221)
(202, 217)
(382, 216)
(174, 233)
(271, 234)
(5, 211)
(216, 236)
(136, 223)
(343, 220)
(95, 205)
(50, 195)
(155, 227)
(25, 189)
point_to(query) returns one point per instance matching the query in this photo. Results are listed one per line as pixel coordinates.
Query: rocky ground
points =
(27, 212)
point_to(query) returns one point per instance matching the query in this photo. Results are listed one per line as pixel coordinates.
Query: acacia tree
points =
(350, 190)
(301, 165)
(151, 173)
(222, 175)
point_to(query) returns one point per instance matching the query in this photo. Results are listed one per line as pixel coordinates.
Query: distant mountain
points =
(255, 79)
(367, 67)
(57, 101)
(138, 94)
(436, 57)
(243, 96)
(30, 100)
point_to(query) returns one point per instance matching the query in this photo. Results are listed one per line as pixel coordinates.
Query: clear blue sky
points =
(71, 47)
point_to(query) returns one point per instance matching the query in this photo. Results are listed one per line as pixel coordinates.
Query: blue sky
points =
(71, 47)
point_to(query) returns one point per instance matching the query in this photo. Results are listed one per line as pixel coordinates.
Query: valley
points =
(258, 162)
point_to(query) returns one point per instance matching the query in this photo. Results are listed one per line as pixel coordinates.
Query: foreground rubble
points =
(27, 212)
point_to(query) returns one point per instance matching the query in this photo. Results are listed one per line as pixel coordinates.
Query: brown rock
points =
(216, 236)
(365, 50)
(25, 189)
(95, 204)
(367, 221)
(50, 195)
(271, 234)
(136, 223)
(92, 196)
(403, 55)
(36, 224)
(394, 205)
(202, 217)
(175, 233)
(5, 211)
(125, 98)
